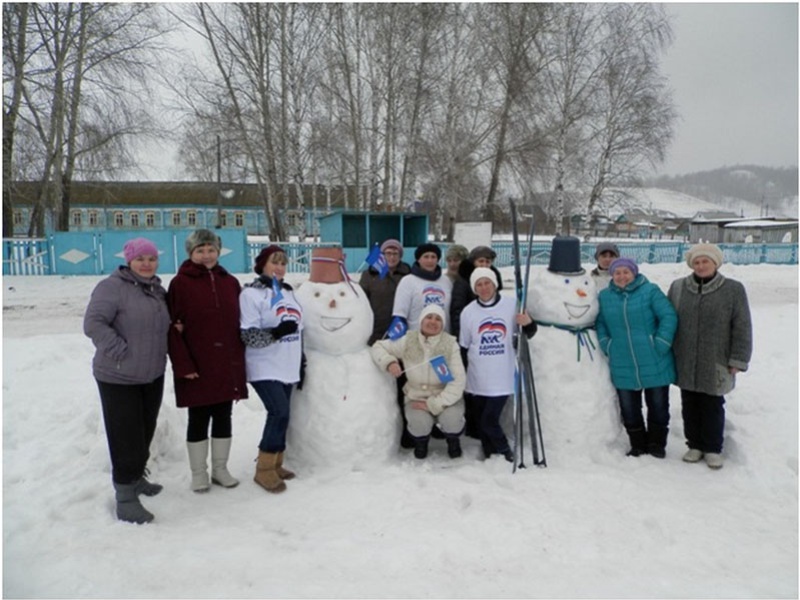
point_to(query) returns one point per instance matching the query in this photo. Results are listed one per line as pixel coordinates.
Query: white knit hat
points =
(432, 309)
(480, 273)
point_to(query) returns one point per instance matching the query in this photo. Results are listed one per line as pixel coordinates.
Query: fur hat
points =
(628, 263)
(606, 247)
(481, 273)
(201, 237)
(423, 248)
(711, 251)
(263, 257)
(456, 252)
(139, 247)
(481, 252)
(432, 309)
(392, 243)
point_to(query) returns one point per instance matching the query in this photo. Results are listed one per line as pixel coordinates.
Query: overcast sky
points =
(734, 72)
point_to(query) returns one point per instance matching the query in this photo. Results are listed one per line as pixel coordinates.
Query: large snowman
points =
(346, 415)
(577, 401)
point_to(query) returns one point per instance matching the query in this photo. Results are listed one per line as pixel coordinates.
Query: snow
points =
(608, 526)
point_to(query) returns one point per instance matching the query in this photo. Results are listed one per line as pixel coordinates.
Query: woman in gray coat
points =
(713, 343)
(127, 320)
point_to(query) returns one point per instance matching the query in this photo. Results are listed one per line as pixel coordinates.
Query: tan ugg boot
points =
(283, 473)
(266, 475)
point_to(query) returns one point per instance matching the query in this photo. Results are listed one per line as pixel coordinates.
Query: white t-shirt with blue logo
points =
(414, 293)
(488, 333)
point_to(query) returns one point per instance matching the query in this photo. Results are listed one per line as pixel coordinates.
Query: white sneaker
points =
(714, 460)
(692, 456)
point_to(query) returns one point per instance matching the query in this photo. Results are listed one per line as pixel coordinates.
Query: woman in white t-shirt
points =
(487, 342)
(271, 326)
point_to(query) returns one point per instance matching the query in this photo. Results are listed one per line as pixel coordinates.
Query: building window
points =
(191, 218)
(292, 219)
(134, 219)
(223, 220)
(93, 218)
(119, 220)
(150, 219)
(76, 218)
(239, 219)
(176, 219)
(18, 218)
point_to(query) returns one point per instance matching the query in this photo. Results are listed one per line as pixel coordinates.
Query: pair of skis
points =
(525, 390)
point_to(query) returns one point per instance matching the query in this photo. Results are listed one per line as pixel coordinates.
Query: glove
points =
(285, 328)
(303, 364)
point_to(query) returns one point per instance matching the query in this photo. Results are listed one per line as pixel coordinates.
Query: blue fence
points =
(87, 253)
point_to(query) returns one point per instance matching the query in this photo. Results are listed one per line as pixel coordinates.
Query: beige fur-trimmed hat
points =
(711, 251)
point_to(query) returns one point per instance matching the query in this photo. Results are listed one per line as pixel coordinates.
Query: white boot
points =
(220, 450)
(198, 463)
(714, 460)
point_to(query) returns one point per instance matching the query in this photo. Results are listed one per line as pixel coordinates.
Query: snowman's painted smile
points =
(333, 323)
(575, 311)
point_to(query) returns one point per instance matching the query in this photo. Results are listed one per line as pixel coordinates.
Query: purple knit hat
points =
(139, 247)
(628, 263)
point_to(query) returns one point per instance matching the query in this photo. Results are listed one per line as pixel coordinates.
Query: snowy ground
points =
(607, 527)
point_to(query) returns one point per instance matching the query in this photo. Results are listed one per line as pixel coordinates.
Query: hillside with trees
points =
(774, 189)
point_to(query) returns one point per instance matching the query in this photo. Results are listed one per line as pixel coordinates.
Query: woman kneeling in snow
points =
(428, 399)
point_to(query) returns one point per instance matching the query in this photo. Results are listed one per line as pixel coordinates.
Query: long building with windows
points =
(127, 206)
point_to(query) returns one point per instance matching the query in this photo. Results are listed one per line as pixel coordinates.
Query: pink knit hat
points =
(139, 247)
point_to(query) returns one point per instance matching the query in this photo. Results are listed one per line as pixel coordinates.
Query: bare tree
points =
(15, 24)
(634, 115)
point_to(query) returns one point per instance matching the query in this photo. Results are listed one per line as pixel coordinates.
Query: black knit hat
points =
(264, 255)
(423, 248)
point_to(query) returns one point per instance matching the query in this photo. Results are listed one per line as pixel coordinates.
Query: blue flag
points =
(397, 328)
(439, 365)
(277, 294)
(377, 261)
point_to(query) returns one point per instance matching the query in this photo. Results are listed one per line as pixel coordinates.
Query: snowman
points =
(345, 415)
(577, 401)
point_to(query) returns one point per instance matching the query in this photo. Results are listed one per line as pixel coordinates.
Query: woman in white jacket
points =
(428, 401)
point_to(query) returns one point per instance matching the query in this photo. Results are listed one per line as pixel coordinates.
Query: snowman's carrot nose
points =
(580, 293)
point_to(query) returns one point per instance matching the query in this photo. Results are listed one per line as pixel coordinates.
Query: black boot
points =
(406, 440)
(421, 447)
(638, 438)
(453, 446)
(657, 441)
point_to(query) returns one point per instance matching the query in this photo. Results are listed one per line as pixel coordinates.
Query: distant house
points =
(161, 205)
(709, 226)
(640, 223)
(764, 230)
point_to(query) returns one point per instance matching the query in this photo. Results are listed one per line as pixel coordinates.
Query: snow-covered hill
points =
(669, 203)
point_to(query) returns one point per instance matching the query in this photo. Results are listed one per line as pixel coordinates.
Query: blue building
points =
(142, 206)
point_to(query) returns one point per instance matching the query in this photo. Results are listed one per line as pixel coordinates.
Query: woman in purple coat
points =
(127, 321)
(207, 356)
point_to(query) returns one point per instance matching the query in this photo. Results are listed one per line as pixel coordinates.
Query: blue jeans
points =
(275, 395)
(657, 400)
(703, 421)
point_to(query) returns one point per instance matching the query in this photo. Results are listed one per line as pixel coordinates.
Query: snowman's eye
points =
(586, 282)
(566, 281)
(316, 294)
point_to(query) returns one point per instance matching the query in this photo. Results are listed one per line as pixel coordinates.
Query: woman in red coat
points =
(207, 355)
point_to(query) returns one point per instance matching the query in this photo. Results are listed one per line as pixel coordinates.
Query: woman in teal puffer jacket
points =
(635, 327)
